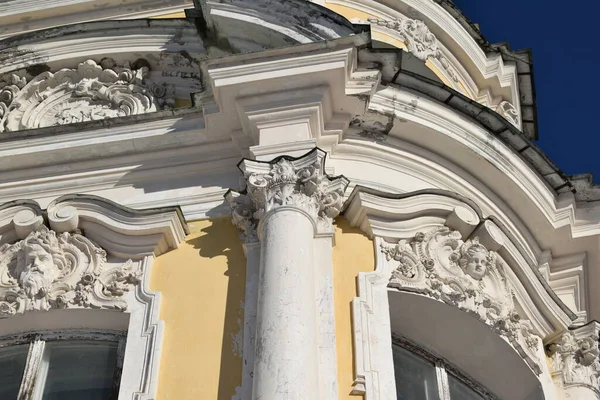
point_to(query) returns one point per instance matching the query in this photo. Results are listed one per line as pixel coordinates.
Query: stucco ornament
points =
(509, 112)
(466, 275)
(575, 360)
(301, 183)
(419, 40)
(48, 270)
(89, 92)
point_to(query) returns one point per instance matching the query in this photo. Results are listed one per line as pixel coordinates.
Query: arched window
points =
(420, 375)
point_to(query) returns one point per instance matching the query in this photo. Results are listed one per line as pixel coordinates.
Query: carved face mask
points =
(39, 270)
(476, 265)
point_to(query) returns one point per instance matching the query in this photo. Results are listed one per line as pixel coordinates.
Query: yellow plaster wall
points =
(201, 357)
(202, 285)
(179, 14)
(353, 253)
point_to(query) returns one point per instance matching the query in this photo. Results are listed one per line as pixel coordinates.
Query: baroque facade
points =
(264, 199)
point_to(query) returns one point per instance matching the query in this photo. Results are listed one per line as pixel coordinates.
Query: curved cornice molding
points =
(297, 20)
(458, 42)
(117, 39)
(121, 231)
(441, 118)
(21, 16)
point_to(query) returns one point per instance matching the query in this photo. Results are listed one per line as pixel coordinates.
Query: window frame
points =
(442, 369)
(36, 340)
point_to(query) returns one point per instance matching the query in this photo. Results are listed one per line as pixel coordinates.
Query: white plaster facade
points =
(159, 113)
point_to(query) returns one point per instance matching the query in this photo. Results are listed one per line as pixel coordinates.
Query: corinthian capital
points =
(292, 182)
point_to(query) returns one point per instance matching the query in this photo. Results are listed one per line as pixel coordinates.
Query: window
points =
(421, 376)
(61, 365)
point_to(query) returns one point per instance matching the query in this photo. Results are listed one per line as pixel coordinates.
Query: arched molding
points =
(403, 228)
(422, 44)
(441, 120)
(411, 168)
(291, 21)
(475, 68)
(97, 258)
(30, 15)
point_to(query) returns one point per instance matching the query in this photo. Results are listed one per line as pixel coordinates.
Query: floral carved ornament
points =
(89, 92)
(47, 271)
(465, 275)
(575, 358)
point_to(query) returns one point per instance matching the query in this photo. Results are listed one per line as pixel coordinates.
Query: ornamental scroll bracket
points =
(419, 40)
(91, 91)
(57, 267)
(423, 44)
(294, 182)
(464, 274)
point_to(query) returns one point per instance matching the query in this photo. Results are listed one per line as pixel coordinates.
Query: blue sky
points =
(565, 61)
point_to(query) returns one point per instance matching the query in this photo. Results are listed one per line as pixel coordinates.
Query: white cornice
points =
(102, 39)
(124, 232)
(442, 119)
(454, 37)
(63, 12)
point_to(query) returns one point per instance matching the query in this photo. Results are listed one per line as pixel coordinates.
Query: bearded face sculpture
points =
(48, 270)
(36, 270)
(40, 262)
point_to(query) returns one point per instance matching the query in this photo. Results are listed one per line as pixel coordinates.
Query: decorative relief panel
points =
(466, 275)
(574, 358)
(300, 183)
(87, 93)
(418, 39)
(49, 270)
(509, 112)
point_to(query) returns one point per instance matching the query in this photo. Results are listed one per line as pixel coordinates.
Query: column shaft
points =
(286, 353)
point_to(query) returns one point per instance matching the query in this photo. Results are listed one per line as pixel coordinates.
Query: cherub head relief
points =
(475, 260)
(40, 262)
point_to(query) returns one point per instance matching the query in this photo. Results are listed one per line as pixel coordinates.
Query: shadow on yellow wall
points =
(202, 285)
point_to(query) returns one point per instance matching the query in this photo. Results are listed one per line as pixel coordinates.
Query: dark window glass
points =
(460, 391)
(12, 366)
(415, 377)
(77, 370)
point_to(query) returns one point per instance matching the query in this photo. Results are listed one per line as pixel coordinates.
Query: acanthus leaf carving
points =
(419, 40)
(465, 275)
(301, 183)
(47, 271)
(87, 93)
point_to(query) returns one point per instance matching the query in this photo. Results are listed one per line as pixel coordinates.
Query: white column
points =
(286, 358)
(287, 204)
